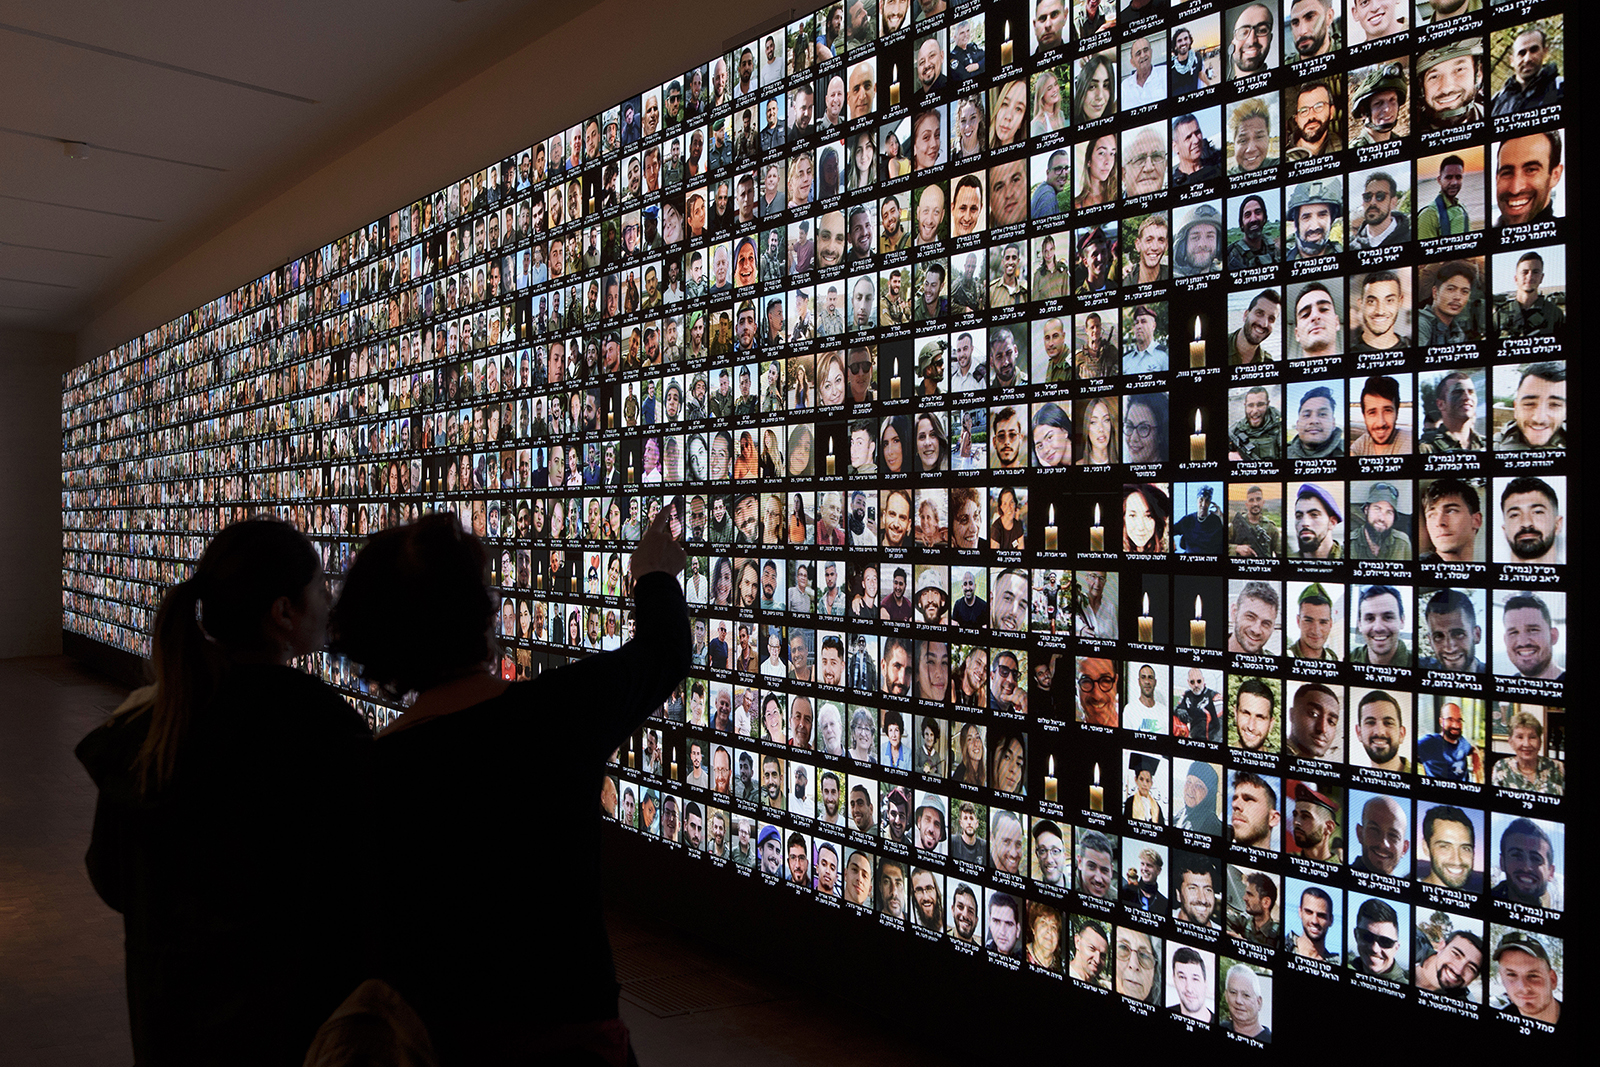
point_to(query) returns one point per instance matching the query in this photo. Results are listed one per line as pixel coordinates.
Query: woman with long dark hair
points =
(863, 169)
(970, 766)
(1094, 93)
(1099, 182)
(458, 898)
(1145, 513)
(893, 444)
(234, 799)
(933, 448)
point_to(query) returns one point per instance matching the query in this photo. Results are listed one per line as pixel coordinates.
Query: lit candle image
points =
(894, 387)
(1197, 441)
(1097, 795)
(1147, 625)
(1005, 47)
(1197, 627)
(1051, 532)
(830, 460)
(633, 758)
(1050, 781)
(674, 766)
(1097, 533)
(1197, 347)
(894, 85)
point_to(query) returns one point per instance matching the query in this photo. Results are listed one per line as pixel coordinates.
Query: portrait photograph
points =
(1522, 738)
(1147, 709)
(1253, 802)
(1145, 877)
(1529, 633)
(1381, 945)
(1527, 863)
(1191, 984)
(1197, 54)
(1145, 156)
(1139, 965)
(1145, 787)
(1314, 920)
(1255, 914)
(1526, 63)
(1245, 1007)
(1525, 977)
(1090, 958)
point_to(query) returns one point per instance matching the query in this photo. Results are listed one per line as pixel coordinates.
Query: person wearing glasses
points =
(1144, 160)
(1097, 691)
(1381, 223)
(858, 367)
(1138, 972)
(1377, 940)
(1049, 852)
(1314, 121)
(1251, 49)
(1005, 695)
(1144, 428)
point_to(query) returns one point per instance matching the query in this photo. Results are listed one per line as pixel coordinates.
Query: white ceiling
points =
(191, 108)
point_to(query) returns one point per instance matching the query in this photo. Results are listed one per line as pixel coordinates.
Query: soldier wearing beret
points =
(1316, 824)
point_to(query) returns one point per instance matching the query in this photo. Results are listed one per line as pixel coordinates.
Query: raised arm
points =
(616, 691)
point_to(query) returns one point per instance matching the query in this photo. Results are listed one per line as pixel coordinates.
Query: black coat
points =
(240, 885)
(490, 844)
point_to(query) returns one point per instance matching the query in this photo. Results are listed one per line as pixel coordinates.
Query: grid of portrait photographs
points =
(1121, 448)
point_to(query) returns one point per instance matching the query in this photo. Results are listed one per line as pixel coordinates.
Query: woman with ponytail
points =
(228, 830)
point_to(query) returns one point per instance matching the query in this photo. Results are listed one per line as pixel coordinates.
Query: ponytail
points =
(204, 621)
(187, 665)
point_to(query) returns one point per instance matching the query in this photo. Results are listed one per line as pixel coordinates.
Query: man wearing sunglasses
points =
(1377, 942)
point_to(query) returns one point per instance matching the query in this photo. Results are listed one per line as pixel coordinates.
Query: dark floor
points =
(61, 986)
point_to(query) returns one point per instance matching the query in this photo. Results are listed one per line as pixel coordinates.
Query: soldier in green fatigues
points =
(1252, 534)
(1375, 537)
(1378, 103)
(1450, 81)
(1456, 398)
(1381, 618)
(1314, 616)
(1538, 411)
(1259, 435)
(1529, 313)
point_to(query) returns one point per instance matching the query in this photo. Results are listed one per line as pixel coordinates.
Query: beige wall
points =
(419, 143)
(30, 487)
(429, 136)
(613, 48)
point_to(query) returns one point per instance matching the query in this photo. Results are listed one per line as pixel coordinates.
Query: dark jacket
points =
(1545, 90)
(489, 847)
(241, 884)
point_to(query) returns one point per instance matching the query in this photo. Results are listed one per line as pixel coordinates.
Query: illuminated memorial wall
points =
(1122, 453)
